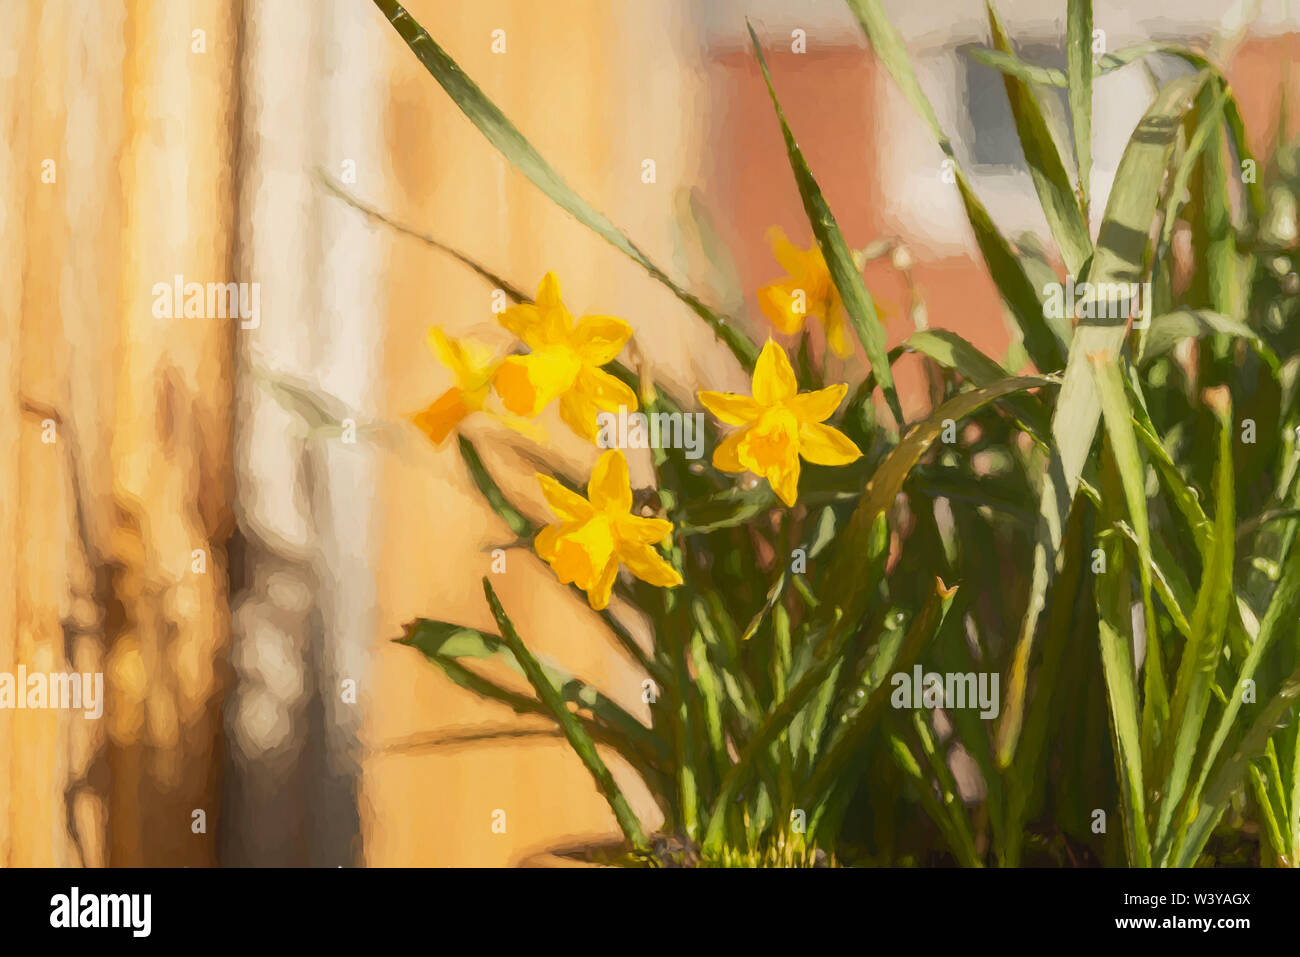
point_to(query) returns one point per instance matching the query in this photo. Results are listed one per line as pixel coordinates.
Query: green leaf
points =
(843, 587)
(1113, 631)
(1185, 498)
(1283, 610)
(963, 840)
(1120, 257)
(1011, 65)
(1027, 771)
(1049, 76)
(1279, 712)
(831, 768)
(577, 736)
(1047, 352)
(839, 258)
(1132, 472)
(1168, 330)
(374, 214)
(953, 352)
(773, 596)
(442, 643)
(1043, 156)
(1200, 660)
(520, 525)
(512, 144)
(1078, 50)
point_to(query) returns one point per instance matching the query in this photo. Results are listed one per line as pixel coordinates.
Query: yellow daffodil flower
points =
(807, 290)
(564, 363)
(780, 424)
(473, 365)
(598, 532)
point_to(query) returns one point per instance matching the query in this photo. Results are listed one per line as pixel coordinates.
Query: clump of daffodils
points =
(777, 426)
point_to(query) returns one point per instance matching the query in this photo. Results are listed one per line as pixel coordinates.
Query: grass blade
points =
(445, 644)
(1011, 65)
(1043, 156)
(573, 730)
(843, 577)
(512, 144)
(1113, 632)
(1277, 713)
(1168, 330)
(1132, 473)
(830, 769)
(1120, 257)
(839, 258)
(1047, 352)
(1282, 612)
(1078, 51)
(1200, 660)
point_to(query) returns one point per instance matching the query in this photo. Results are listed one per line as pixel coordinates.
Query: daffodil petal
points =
(594, 392)
(528, 384)
(598, 339)
(648, 565)
(824, 445)
(771, 443)
(726, 456)
(598, 593)
(581, 550)
(544, 542)
(647, 531)
(442, 415)
(785, 482)
(556, 321)
(817, 406)
(774, 379)
(729, 407)
(581, 414)
(470, 362)
(836, 334)
(548, 292)
(609, 488)
(777, 302)
(565, 503)
(604, 390)
(441, 347)
(528, 428)
(525, 323)
(790, 256)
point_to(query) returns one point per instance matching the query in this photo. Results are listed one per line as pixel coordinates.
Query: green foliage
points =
(1122, 525)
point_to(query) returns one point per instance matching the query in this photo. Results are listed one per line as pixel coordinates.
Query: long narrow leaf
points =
(1043, 156)
(512, 144)
(577, 736)
(1120, 257)
(1078, 52)
(1047, 352)
(839, 258)
(1200, 659)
